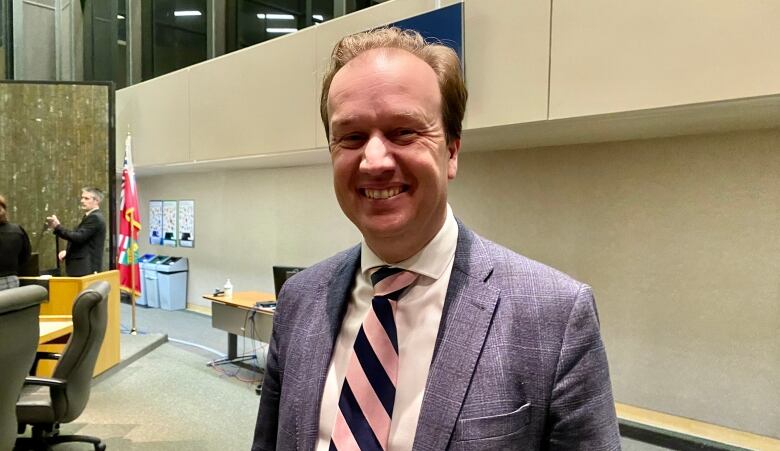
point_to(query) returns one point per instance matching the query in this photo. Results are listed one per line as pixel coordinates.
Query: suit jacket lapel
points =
(468, 312)
(320, 338)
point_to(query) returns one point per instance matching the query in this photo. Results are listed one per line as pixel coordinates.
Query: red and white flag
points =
(129, 226)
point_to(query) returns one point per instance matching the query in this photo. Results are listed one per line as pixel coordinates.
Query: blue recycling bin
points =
(172, 283)
(142, 266)
(150, 288)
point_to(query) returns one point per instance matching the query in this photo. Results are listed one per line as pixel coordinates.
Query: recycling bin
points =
(172, 283)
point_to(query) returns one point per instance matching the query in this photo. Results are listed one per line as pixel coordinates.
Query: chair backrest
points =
(90, 315)
(19, 330)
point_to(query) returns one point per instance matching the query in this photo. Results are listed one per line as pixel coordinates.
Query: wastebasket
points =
(142, 266)
(151, 290)
(172, 283)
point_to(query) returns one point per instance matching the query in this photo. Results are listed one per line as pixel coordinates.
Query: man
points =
(84, 254)
(477, 347)
(14, 248)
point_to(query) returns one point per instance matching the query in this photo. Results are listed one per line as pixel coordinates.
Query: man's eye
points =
(404, 134)
(352, 140)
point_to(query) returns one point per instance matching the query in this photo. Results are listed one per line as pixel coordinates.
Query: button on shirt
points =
(417, 321)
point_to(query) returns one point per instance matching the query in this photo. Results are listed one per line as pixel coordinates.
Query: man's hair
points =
(442, 59)
(95, 192)
(3, 210)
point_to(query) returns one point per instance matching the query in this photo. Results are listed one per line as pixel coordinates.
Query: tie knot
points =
(389, 281)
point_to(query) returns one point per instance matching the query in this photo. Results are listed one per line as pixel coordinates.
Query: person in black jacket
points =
(14, 249)
(84, 254)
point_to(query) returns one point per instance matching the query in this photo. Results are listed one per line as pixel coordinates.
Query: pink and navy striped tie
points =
(367, 397)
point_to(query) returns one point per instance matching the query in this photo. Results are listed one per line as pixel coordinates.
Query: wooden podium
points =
(62, 293)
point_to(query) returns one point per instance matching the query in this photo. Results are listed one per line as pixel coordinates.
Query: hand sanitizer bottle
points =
(228, 289)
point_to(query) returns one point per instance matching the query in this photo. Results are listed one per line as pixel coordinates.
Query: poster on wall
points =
(186, 223)
(156, 222)
(169, 223)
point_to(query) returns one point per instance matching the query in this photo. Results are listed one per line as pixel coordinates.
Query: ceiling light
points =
(187, 13)
(317, 17)
(276, 16)
(281, 30)
(120, 17)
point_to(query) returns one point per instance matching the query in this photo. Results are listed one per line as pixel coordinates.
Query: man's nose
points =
(377, 157)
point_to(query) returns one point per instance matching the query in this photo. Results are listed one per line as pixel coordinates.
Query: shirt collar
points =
(432, 260)
(90, 211)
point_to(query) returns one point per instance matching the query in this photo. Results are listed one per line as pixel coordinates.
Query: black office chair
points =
(45, 403)
(19, 330)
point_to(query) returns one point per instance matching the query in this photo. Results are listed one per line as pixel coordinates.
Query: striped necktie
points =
(368, 394)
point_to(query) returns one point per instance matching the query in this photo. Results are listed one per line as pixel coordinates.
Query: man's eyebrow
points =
(399, 116)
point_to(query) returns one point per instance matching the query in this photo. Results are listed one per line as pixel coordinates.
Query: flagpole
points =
(131, 260)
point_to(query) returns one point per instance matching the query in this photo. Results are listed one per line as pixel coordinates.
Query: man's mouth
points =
(382, 193)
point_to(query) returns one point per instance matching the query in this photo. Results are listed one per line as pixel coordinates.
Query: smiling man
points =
(425, 336)
(84, 254)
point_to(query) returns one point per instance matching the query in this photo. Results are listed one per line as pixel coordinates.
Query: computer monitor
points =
(281, 274)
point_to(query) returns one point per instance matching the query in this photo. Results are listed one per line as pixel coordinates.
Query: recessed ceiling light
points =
(276, 16)
(120, 17)
(187, 13)
(281, 30)
(317, 17)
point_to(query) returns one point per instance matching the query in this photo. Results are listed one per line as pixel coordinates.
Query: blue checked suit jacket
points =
(519, 363)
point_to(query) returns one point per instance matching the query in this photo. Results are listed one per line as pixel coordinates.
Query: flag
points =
(129, 225)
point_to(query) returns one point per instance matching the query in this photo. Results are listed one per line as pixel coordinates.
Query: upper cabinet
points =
(622, 55)
(157, 113)
(507, 58)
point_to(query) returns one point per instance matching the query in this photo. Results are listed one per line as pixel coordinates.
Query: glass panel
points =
(259, 21)
(179, 34)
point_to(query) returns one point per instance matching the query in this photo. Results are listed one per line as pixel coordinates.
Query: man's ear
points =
(453, 147)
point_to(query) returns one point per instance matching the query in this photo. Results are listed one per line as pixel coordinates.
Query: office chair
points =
(19, 330)
(45, 403)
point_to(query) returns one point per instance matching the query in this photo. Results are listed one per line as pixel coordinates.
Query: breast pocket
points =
(493, 427)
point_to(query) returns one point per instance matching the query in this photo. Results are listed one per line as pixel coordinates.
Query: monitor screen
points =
(281, 274)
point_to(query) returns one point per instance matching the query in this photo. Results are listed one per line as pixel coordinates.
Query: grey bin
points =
(142, 266)
(150, 288)
(172, 283)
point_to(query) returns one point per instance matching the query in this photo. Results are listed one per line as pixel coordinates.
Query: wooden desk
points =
(234, 315)
(62, 293)
(54, 327)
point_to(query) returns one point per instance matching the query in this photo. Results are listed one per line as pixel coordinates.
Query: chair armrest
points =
(41, 355)
(44, 381)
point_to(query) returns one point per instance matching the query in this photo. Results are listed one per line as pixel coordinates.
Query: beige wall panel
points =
(618, 55)
(679, 239)
(329, 33)
(246, 221)
(507, 46)
(256, 101)
(157, 112)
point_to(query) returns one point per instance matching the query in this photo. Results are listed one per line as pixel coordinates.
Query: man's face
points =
(88, 201)
(391, 161)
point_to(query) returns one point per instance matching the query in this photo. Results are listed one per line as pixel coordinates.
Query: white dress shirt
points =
(417, 321)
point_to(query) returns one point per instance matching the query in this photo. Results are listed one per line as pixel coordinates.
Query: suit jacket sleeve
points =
(582, 409)
(268, 414)
(86, 230)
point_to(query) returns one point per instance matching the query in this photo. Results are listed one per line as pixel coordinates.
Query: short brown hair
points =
(442, 59)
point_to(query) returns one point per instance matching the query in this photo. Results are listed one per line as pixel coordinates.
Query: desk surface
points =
(244, 299)
(53, 328)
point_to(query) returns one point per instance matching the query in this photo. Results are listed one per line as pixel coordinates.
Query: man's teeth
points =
(382, 193)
